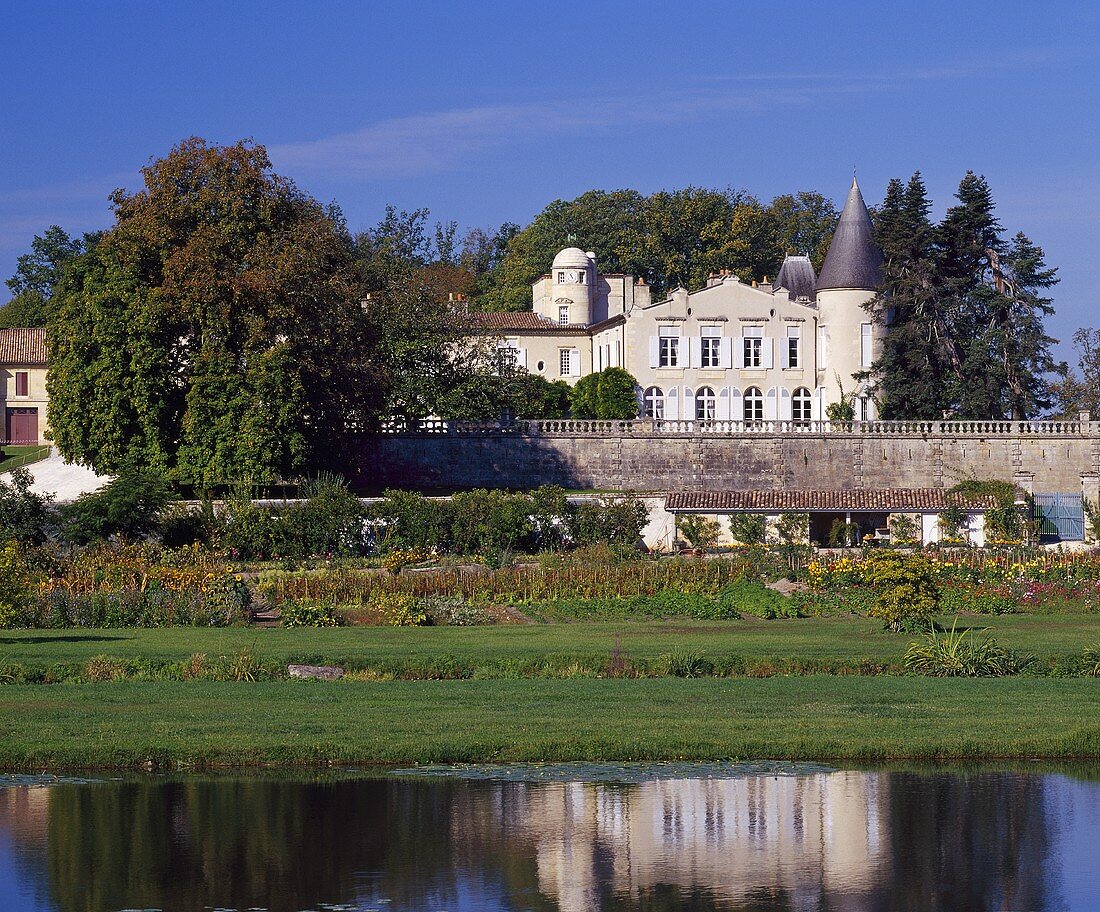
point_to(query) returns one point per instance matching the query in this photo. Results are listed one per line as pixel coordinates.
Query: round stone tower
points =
(573, 279)
(849, 278)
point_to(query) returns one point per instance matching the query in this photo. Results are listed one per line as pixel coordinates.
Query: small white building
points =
(732, 351)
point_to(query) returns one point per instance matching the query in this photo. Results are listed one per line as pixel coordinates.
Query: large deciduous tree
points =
(214, 332)
(37, 275)
(667, 238)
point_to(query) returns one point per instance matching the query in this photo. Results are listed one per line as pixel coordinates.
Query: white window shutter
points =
(785, 410)
(737, 405)
(724, 404)
(739, 353)
(766, 352)
(822, 346)
(725, 353)
(672, 404)
(695, 347)
(819, 404)
(654, 351)
(771, 404)
(784, 353)
(689, 404)
(521, 357)
(574, 362)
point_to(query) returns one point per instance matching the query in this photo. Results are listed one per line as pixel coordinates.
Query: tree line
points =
(228, 326)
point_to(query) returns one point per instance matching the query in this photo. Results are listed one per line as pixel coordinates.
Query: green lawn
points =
(14, 456)
(822, 718)
(810, 639)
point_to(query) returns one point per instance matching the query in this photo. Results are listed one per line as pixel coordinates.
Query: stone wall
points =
(676, 456)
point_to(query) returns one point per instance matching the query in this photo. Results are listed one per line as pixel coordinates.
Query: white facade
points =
(731, 351)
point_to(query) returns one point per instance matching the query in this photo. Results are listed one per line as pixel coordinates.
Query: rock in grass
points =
(324, 672)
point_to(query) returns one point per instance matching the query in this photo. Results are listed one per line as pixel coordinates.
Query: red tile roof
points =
(520, 321)
(929, 500)
(23, 346)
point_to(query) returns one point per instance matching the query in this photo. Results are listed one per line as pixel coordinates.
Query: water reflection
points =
(878, 841)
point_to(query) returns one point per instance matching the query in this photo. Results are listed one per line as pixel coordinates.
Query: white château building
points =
(731, 351)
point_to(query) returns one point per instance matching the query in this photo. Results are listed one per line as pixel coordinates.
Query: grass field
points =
(849, 638)
(822, 718)
(503, 716)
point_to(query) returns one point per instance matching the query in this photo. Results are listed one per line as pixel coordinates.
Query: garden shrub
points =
(906, 593)
(396, 609)
(310, 614)
(749, 528)
(700, 532)
(614, 520)
(610, 394)
(130, 506)
(15, 588)
(404, 520)
(751, 597)
(488, 521)
(24, 515)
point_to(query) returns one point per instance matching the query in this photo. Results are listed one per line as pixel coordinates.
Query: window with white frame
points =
(653, 403)
(563, 314)
(866, 355)
(710, 352)
(561, 278)
(754, 404)
(669, 352)
(822, 346)
(565, 361)
(794, 346)
(753, 342)
(705, 404)
(801, 405)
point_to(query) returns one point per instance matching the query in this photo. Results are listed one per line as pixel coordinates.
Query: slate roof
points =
(520, 321)
(797, 276)
(918, 500)
(23, 346)
(853, 260)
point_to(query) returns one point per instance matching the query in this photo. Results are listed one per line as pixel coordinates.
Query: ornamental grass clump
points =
(959, 654)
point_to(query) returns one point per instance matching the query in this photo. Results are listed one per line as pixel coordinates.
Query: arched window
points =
(705, 404)
(754, 404)
(801, 405)
(653, 403)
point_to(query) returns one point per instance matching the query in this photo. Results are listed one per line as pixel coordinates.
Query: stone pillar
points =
(1090, 490)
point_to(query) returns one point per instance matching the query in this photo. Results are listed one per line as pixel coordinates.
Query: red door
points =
(22, 425)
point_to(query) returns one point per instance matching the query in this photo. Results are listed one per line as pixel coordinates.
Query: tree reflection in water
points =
(831, 841)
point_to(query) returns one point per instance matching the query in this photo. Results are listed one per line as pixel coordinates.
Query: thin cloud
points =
(445, 140)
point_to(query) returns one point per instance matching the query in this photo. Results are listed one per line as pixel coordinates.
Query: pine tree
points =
(909, 375)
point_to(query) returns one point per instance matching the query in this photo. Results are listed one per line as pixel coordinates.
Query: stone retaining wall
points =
(685, 456)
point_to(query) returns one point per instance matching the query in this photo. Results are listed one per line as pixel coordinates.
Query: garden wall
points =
(677, 456)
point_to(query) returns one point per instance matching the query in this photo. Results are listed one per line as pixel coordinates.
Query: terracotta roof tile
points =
(520, 321)
(23, 346)
(879, 501)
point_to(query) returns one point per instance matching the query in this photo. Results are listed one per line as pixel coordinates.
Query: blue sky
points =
(485, 112)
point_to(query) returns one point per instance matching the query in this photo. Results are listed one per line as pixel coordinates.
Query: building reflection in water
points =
(800, 837)
(846, 841)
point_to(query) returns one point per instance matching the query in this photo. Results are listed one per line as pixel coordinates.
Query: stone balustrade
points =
(644, 427)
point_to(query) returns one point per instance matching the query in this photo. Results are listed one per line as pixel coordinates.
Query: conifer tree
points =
(965, 310)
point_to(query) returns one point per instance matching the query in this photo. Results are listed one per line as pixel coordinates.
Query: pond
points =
(568, 837)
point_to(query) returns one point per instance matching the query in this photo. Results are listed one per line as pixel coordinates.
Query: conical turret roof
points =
(853, 260)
